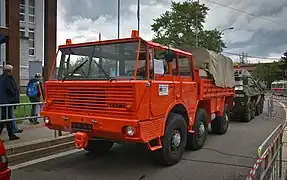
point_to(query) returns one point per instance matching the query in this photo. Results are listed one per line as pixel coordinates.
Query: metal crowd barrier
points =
(269, 162)
(22, 112)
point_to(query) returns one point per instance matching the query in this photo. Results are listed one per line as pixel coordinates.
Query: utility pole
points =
(119, 14)
(246, 58)
(196, 27)
(138, 16)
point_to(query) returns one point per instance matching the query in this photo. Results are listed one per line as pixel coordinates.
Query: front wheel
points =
(173, 141)
(99, 146)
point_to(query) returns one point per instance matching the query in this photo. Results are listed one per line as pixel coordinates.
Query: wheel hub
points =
(201, 130)
(226, 119)
(176, 139)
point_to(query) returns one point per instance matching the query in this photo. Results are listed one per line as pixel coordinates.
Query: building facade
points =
(31, 35)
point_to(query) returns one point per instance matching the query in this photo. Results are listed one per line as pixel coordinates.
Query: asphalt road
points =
(225, 157)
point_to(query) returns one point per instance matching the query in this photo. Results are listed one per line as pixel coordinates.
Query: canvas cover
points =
(218, 65)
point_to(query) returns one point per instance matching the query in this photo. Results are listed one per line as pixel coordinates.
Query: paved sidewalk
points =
(30, 133)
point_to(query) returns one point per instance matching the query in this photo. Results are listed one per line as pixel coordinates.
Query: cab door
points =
(162, 84)
(188, 87)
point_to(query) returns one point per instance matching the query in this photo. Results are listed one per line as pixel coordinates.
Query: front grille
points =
(90, 99)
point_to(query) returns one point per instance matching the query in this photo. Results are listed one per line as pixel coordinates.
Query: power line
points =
(248, 13)
(259, 57)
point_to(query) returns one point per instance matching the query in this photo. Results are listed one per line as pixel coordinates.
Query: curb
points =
(28, 151)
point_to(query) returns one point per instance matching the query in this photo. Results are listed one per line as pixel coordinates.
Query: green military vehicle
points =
(249, 96)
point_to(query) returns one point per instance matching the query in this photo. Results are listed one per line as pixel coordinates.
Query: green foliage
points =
(177, 27)
(268, 72)
(283, 65)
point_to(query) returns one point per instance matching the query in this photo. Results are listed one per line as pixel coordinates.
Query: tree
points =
(283, 65)
(177, 27)
(268, 72)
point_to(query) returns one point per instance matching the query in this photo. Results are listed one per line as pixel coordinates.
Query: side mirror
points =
(169, 56)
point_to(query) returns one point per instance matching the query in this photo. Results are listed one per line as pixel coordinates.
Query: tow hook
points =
(81, 140)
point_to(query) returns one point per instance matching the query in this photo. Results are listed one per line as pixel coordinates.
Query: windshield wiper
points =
(75, 70)
(106, 74)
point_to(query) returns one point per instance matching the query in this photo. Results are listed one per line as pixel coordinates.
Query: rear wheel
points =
(196, 140)
(253, 109)
(247, 113)
(258, 108)
(173, 141)
(220, 124)
(99, 146)
(261, 106)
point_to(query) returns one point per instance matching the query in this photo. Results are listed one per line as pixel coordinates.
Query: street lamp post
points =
(221, 32)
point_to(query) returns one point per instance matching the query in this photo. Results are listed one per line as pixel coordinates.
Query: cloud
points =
(256, 36)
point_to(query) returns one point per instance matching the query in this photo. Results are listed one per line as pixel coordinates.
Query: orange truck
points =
(132, 90)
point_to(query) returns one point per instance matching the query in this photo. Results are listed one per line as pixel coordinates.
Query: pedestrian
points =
(9, 94)
(35, 93)
(15, 128)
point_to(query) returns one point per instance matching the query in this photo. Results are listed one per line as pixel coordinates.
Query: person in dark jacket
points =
(9, 94)
(36, 107)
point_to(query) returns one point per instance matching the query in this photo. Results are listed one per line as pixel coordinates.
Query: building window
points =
(31, 41)
(32, 3)
(22, 17)
(31, 11)
(31, 19)
(22, 32)
(22, 10)
(32, 52)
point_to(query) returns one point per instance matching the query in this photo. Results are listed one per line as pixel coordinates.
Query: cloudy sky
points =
(264, 36)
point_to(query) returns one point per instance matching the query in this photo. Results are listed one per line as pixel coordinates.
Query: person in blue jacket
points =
(9, 94)
(37, 98)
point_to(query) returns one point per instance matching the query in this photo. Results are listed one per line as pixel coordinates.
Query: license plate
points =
(82, 127)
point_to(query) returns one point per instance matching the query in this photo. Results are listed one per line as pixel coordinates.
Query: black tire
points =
(253, 109)
(261, 106)
(221, 123)
(247, 113)
(99, 146)
(196, 140)
(258, 108)
(172, 150)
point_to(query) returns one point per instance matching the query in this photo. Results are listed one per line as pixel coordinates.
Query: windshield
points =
(100, 62)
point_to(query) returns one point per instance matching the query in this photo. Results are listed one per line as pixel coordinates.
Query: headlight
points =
(47, 120)
(239, 88)
(129, 130)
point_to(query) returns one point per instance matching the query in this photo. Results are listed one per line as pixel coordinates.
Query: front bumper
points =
(108, 128)
(6, 175)
(239, 106)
